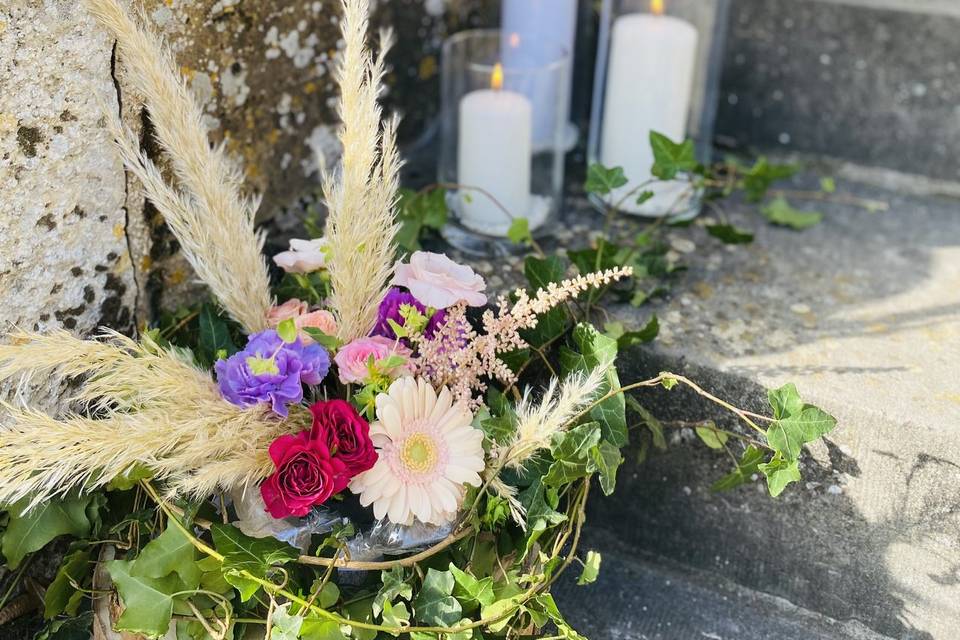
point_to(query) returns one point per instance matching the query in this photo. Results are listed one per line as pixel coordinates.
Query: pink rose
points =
(439, 282)
(302, 317)
(304, 256)
(353, 358)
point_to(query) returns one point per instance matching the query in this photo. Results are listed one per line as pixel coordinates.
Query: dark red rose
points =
(306, 475)
(338, 424)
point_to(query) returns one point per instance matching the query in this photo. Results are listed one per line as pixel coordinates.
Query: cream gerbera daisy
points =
(428, 452)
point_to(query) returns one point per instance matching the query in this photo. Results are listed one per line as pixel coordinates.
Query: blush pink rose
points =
(302, 317)
(352, 359)
(439, 282)
(304, 256)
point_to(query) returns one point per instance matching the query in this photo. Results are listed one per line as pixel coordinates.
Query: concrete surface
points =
(875, 86)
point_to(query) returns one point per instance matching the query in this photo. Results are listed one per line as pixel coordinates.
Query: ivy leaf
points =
(395, 586)
(147, 602)
(254, 555)
(434, 604)
(627, 339)
(761, 176)
(419, 211)
(28, 531)
(540, 272)
(322, 629)
(591, 568)
(61, 596)
(396, 615)
(571, 453)
(285, 626)
(788, 435)
(602, 180)
(746, 468)
(471, 592)
(671, 158)
(362, 611)
(785, 401)
(780, 472)
(214, 334)
(778, 211)
(729, 234)
(519, 231)
(605, 459)
(170, 552)
(654, 425)
(73, 628)
(541, 505)
(644, 196)
(596, 348)
(707, 432)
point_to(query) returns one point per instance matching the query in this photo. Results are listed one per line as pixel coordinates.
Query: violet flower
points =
(390, 310)
(271, 370)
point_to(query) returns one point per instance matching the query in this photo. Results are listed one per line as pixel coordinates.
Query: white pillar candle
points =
(537, 33)
(649, 83)
(494, 154)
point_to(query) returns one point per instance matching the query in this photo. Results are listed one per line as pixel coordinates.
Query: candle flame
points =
(514, 40)
(496, 78)
(656, 7)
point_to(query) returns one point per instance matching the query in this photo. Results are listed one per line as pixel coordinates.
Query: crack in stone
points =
(126, 194)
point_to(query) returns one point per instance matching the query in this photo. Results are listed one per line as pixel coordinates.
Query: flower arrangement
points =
(388, 388)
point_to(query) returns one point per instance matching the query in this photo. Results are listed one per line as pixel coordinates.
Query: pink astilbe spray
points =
(461, 358)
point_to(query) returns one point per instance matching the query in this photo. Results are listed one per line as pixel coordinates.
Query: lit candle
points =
(538, 33)
(649, 83)
(493, 154)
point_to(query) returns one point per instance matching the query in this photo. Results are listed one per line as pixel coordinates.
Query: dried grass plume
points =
(361, 194)
(207, 212)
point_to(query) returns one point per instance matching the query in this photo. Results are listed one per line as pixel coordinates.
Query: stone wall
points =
(79, 247)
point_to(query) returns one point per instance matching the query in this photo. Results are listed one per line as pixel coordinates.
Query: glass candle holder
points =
(658, 69)
(493, 103)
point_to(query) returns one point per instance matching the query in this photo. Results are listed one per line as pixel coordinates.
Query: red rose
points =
(338, 424)
(306, 475)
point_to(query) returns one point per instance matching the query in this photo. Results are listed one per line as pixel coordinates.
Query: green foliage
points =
(602, 180)
(779, 472)
(758, 179)
(591, 568)
(147, 602)
(472, 593)
(746, 468)
(311, 288)
(435, 604)
(62, 596)
(708, 433)
(519, 231)
(214, 339)
(729, 234)
(419, 212)
(256, 556)
(287, 330)
(778, 211)
(795, 423)
(285, 625)
(671, 158)
(627, 339)
(29, 530)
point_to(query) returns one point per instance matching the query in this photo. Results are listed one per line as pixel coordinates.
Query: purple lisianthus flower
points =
(390, 310)
(271, 370)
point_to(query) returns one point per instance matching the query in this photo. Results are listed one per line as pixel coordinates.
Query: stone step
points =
(643, 597)
(862, 312)
(876, 82)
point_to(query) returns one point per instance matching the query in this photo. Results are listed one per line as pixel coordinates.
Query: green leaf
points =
(362, 611)
(61, 596)
(785, 401)
(519, 231)
(828, 185)
(671, 158)
(778, 211)
(788, 435)
(417, 212)
(780, 472)
(746, 468)
(596, 348)
(602, 180)
(761, 176)
(654, 425)
(147, 602)
(571, 453)
(540, 272)
(73, 628)
(254, 555)
(707, 431)
(668, 382)
(591, 569)
(729, 234)
(627, 339)
(331, 343)
(395, 585)
(170, 552)
(130, 478)
(287, 330)
(644, 197)
(396, 615)
(214, 334)
(434, 605)
(322, 629)
(31, 530)
(471, 592)
(541, 504)
(285, 626)
(605, 459)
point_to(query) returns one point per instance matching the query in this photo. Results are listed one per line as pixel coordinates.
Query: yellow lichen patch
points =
(146, 262)
(177, 276)
(187, 72)
(273, 136)
(119, 231)
(309, 88)
(7, 121)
